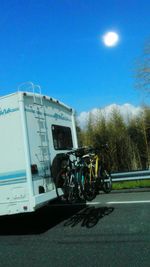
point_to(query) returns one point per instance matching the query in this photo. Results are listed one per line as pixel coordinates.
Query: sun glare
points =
(110, 39)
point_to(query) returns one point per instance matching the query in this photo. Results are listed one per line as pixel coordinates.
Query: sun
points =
(110, 39)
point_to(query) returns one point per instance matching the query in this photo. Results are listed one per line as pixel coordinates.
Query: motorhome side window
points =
(62, 137)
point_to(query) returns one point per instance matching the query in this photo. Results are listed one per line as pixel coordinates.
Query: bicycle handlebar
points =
(81, 151)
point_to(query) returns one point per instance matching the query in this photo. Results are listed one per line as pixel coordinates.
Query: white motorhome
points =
(33, 130)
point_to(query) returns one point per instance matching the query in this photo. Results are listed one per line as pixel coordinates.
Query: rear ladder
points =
(42, 132)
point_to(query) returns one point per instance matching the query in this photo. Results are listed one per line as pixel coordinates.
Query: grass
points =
(131, 184)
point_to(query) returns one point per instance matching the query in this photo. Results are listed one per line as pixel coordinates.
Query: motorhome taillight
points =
(34, 169)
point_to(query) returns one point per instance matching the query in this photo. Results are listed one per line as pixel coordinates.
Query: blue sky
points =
(57, 44)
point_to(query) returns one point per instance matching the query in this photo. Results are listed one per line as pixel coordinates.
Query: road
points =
(113, 230)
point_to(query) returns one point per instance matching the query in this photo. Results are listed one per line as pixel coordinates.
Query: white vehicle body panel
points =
(27, 121)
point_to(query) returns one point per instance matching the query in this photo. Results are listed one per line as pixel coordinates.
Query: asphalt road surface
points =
(113, 230)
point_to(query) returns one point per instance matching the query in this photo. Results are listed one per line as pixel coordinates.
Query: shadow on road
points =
(88, 217)
(38, 222)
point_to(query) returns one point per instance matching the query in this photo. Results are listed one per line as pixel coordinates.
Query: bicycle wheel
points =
(66, 186)
(61, 184)
(88, 185)
(72, 189)
(106, 181)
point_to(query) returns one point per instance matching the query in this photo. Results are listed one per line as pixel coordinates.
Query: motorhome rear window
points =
(62, 137)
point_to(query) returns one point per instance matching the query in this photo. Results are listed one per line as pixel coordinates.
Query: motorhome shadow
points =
(34, 129)
(38, 222)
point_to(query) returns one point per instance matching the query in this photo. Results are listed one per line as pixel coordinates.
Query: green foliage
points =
(128, 141)
(131, 184)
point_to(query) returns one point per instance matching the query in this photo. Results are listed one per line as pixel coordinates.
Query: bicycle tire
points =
(78, 185)
(60, 184)
(72, 189)
(88, 187)
(106, 181)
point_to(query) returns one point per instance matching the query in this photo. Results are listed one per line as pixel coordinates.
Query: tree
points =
(128, 141)
(88, 132)
(143, 83)
(100, 135)
(120, 143)
(146, 132)
(136, 134)
(143, 70)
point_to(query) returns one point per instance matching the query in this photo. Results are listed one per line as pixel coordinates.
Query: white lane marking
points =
(119, 202)
(129, 202)
(94, 203)
(100, 203)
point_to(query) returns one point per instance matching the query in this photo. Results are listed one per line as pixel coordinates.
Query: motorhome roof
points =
(38, 95)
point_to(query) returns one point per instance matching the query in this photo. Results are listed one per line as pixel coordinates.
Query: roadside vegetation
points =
(128, 139)
(131, 184)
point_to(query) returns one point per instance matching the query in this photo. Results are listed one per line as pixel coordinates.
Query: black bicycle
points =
(69, 180)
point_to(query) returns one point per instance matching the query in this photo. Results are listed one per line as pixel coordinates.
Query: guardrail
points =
(130, 176)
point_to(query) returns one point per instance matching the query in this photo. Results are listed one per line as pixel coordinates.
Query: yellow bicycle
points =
(95, 175)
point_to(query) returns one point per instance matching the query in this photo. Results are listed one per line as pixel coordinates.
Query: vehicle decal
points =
(55, 116)
(6, 111)
(12, 175)
(13, 181)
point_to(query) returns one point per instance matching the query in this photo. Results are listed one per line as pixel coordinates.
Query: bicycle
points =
(84, 176)
(96, 175)
(87, 173)
(68, 180)
(104, 179)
